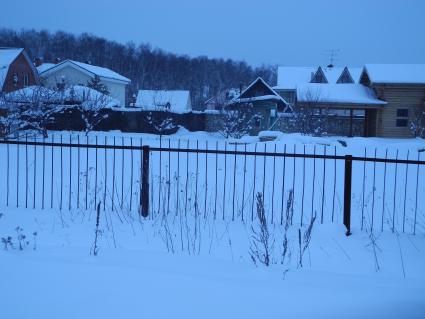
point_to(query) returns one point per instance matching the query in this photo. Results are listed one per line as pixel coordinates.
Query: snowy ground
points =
(178, 265)
(139, 278)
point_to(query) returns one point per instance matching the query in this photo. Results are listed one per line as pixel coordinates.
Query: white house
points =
(70, 73)
(162, 100)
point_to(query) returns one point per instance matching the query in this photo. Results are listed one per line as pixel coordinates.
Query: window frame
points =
(15, 79)
(402, 122)
(26, 79)
(400, 113)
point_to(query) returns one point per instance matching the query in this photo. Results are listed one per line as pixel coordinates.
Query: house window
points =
(15, 79)
(401, 122)
(402, 112)
(26, 79)
(402, 117)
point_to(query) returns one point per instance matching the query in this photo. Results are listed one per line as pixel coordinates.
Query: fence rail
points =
(218, 180)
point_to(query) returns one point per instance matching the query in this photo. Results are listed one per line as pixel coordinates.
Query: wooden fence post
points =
(144, 191)
(347, 193)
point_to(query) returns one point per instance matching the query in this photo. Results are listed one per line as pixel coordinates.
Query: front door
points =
(370, 123)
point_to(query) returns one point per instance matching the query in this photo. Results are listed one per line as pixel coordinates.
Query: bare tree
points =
(90, 104)
(417, 125)
(29, 109)
(34, 108)
(237, 120)
(308, 118)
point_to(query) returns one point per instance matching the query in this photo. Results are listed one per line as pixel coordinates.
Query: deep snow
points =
(60, 279)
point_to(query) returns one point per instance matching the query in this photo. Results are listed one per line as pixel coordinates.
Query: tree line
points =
(147, 67)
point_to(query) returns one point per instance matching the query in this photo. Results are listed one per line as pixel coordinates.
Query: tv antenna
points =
(332, 55)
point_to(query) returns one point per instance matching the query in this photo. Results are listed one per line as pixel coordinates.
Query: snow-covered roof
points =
(102, 72)
(158, 100)
(7, 56)
(77, 93)
(288, 77)
(337, 93)
(396, 73)
(273, 96)
(44, 67)
(334, 73)
(259, 98)
(3, 74)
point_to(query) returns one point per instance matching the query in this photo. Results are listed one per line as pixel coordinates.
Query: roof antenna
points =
(333, 54)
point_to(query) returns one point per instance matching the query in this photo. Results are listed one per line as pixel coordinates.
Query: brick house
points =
(16, 70)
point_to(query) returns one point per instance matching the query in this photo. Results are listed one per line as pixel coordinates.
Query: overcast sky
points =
(286, 32)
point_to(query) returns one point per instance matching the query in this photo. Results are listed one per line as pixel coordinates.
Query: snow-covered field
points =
(136, 276)
(181, 264)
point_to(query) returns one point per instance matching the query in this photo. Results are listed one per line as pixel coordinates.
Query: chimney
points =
(38, 61)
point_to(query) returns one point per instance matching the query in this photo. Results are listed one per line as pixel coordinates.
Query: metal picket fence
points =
(217, 180)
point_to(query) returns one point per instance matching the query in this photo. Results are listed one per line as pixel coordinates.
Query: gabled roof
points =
(7, 56)
(44, 67)
(345, 76)
(272, 94)
(288, 77)
(337, 93)
(396, 73)
(319, 75)
(103, 73)
(159, 100)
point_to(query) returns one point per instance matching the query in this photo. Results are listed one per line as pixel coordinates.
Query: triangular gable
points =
(13, 57)
(345, 77)
(319, 76)
(257, 88)
(260, 90)
(364, 78)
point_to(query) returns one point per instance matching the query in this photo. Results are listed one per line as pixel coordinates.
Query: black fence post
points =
(347, 193)
(144, 192)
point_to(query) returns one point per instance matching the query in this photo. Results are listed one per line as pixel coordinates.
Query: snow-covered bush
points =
(34, 108)
(30, 108)
(237, 120)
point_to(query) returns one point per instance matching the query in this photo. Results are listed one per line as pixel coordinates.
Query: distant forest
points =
(147, 67)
